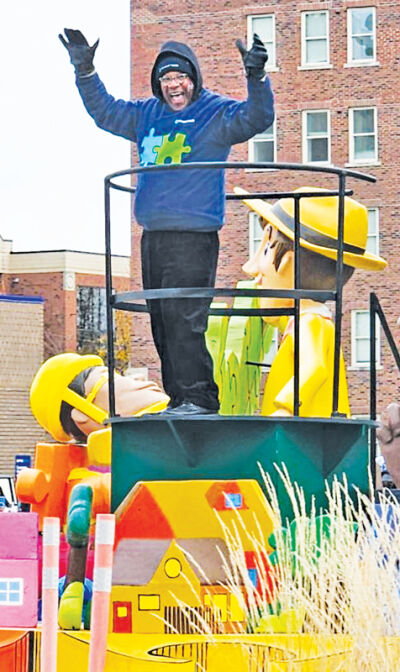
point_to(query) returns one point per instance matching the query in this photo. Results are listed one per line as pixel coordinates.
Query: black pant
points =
(182, 259)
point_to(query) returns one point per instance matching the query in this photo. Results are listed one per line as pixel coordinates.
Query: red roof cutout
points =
(142, 518)
(225, 496)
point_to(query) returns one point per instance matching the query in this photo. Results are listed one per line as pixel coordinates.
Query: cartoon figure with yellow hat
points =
(69, 399)
(273, 266)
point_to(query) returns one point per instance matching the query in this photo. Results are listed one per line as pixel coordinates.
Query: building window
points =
(264, 26)
(256, 233)
(11, 592)
(91, 317)
(262, 147)
(360, 339)
(253, 576)
(149, 602)
(361, 35)
(314, 38)
(373, 231)
(316, 137)
(273, 348)
(363, 135)
(233, 500)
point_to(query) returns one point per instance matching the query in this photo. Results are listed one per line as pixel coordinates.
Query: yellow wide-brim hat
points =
(319, 225)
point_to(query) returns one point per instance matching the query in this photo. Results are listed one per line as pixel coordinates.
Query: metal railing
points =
(125, 301)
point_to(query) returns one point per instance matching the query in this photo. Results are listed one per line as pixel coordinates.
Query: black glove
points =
(80, 53)
(255, 59)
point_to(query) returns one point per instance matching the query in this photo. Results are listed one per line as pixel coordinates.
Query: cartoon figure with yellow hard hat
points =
(69, 396)
(273, 265)
(69, 399)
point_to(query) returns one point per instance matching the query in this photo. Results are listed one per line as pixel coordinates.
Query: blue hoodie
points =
(205, 130)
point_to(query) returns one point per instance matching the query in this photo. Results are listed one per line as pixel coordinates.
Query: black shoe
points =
(186, 408)
(158, 414)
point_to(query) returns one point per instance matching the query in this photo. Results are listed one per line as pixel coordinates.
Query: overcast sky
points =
(53, 157)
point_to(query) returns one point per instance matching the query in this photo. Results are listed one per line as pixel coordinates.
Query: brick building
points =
(72, 286)
(333, 67)
(21, 353)
(50, 302)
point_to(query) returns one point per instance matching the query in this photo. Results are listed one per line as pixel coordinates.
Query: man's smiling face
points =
(177, 89)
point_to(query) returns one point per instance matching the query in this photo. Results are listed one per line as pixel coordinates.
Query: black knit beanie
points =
(172, 62)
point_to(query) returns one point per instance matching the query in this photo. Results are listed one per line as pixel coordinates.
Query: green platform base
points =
(221, 447)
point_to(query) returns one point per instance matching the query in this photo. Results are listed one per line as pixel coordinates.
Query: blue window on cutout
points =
(233, 500)
(253, 577)
(11, 591)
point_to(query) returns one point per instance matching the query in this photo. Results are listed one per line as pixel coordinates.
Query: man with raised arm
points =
(181, 211)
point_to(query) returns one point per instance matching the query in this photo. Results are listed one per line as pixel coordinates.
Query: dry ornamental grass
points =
(333, 572)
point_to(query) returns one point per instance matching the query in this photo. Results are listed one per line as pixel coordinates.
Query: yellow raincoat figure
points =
(273, 266)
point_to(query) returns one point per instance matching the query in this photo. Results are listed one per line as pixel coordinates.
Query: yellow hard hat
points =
(50, 388)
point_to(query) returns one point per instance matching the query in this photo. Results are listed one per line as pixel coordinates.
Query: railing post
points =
(109, 292)
(296, 394)
(372, 382)
(339, 296)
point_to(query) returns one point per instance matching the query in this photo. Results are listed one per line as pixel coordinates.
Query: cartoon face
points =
(84, 423)
(261, 267)
(131, 396)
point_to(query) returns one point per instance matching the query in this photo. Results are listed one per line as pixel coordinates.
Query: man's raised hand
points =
(254, 59)
(80, 53)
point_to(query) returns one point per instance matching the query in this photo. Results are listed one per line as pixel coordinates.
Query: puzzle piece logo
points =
(150, 142)
(171, 151)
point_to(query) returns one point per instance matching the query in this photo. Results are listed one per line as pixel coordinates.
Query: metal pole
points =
(372, 382)
(387, 332)
(339, 296)
(109, 298)
(296, 392)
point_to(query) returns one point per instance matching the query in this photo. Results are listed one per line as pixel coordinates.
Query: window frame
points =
(304, 62)
(271, 63)
(146, 602)
(357, 364)
(353, 160)
(359, 61)
(253, 245)
(305, 137)
(20, 590)
(376, 234)
(97, 327)
(259, 137)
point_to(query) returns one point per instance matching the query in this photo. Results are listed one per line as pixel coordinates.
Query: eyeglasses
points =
(168, 79)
